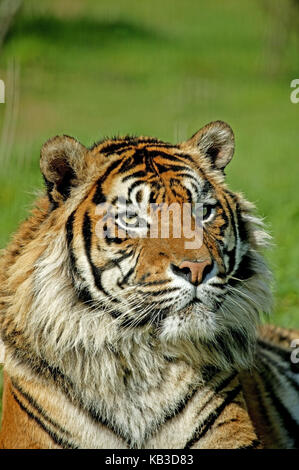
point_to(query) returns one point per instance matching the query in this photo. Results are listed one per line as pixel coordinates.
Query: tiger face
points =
(202, 279)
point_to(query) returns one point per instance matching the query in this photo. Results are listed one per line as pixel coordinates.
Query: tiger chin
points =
(117, 339)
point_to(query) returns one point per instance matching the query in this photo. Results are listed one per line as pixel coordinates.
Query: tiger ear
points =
(62, 163)
(216, 142)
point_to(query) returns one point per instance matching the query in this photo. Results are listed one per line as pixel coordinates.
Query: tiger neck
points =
(134, 391)
(134, 410)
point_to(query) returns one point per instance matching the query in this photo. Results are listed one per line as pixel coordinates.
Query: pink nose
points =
(196, 269)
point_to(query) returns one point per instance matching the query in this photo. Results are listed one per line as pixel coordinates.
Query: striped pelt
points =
(124, 328)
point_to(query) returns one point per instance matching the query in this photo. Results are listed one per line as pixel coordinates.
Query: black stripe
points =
(284, 353)
(99, 197)
(253, 445)
(130, 272)
(175, 181)
(196, 188)
(190, 176)
(222, 345)
(152, 142)
(241, 340)
(167, 156)
(281, 369)
(158, 302)
(291, 427)
(83, 293)
(184, 157)
(162, 292)
(137, 174)
(116, 430)
(38, 408)
(85, 296)
(42, 368)
(86, 232)
(180, 158)
(127, 322)
(132, 161)
(210, 373)
(109, 239)
(49, 187)
(157, 143)
(134, 185)
(225, 382)
(221, 213)
(116, 147)
(126, 277)
(207, 187)
(69, 240)
(183, 402)
(244, 271)
(242, 229)
(115, 262)
(218, 285)
(228, 421)
(65, 185)
(162, 168)
(210, 420)
(177, 195)
(181, 405)
(154, 283)
(232, 253)
(39, 366)
(261, 397)
(130, 142)
(57, 439)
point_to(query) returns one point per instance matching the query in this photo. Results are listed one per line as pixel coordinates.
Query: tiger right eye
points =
(130, 220)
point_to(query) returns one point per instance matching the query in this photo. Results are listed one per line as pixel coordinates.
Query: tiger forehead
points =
(120, 145)
(145, 162)
(145, 158)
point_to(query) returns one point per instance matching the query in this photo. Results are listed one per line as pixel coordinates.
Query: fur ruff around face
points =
(59, 327)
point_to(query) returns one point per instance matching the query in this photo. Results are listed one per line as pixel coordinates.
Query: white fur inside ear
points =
(63, 164)
(2, 352)
(216, 142)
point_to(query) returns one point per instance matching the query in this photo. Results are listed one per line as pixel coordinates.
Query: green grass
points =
(91, 69)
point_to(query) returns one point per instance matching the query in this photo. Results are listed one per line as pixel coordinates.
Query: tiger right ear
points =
(62, 164)
(216, 142)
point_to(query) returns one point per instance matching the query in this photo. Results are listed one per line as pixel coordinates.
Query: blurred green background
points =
(99, 68)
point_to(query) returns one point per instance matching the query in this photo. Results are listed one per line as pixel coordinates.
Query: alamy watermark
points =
(2, 91)
(295, 353)
(122, 220)
(294, 96)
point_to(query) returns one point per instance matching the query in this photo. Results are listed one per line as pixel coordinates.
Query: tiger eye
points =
(130, 219)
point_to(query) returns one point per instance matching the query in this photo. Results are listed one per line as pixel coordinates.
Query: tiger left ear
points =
(215, 141)
(63, 165)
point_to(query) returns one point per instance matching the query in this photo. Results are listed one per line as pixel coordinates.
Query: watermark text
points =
(294, 97)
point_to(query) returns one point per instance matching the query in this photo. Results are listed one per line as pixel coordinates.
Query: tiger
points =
(115, 339)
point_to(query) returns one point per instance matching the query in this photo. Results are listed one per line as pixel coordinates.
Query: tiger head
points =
(204, 286)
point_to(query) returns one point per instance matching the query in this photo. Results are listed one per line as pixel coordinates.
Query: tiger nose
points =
(196, 270)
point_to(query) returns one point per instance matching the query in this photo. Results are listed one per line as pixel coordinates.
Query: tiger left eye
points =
(129, 219)
(206, 212)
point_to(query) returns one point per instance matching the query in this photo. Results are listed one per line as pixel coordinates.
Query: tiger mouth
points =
(197, 305)
(196, 301)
